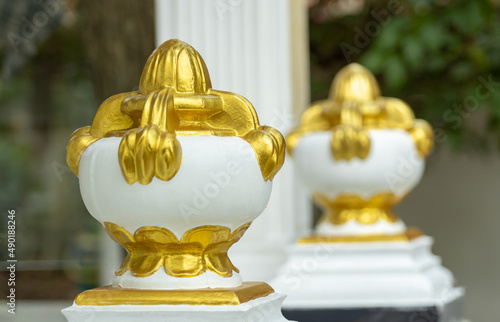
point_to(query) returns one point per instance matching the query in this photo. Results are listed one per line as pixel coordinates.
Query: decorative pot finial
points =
(348, 151)
(176, 172)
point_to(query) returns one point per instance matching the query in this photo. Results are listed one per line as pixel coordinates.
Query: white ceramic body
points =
(219, 183)
(393, 165)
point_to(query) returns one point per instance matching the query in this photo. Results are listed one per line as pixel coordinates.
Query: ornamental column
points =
(257, 48)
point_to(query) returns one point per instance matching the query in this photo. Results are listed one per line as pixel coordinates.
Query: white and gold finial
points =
(176, 172)
(354, 106)
(348, 150)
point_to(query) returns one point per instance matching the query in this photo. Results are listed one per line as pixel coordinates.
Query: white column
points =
(110, 258)
(256, 48)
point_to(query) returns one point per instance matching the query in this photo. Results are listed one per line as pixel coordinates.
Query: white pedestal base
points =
(451, 310)
(266, 309)
(365, 275)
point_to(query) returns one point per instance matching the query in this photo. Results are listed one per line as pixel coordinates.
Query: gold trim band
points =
(110, 295)
(409, 235)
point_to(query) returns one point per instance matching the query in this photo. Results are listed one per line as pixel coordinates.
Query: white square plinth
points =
(353, 275)
(266, 309)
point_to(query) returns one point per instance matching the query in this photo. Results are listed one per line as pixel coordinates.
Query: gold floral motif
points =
(409, 235)
(110, 295)
(175, 98)
(348, 207)
(350, 142)
(355, 106)
(199, 249)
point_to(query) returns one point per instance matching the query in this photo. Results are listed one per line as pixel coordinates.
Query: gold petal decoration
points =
(218, 234)
(79, 141)
(217, 260)
(423, 136)
(148, 152)
(184, 260)
(349, 142)
(269, 146)
(145, 261)
(199, 249)
(175, 98)
(347, 207)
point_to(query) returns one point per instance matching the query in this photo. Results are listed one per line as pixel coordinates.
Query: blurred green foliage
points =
(441, 57)
(40, 106)
(54, 77)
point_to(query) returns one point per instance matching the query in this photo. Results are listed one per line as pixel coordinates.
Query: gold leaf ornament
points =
(349, 142)
(269, 146)
(350, 207)
(355, 106)
(199, 250)
(175, 98)
(149, 152)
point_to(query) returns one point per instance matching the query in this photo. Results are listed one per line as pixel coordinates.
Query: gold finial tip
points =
(172, 41)
(174, 44)
(354, 83)
(355, 67)
(178, 65)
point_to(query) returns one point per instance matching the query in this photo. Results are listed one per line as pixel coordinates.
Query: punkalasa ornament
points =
(359, 154)
(176, 172)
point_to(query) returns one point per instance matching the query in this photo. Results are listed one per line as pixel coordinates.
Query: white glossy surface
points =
(378, 274)
(162, 281)
(266, 309)
(219, 183)
(355, 228)
(393, 165)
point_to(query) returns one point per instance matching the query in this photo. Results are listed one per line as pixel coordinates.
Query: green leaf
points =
(395, 73)
(413, 52)
(373, 60)
(432, 35)
(462, 71)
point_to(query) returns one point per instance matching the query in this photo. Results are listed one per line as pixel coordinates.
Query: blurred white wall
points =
(458, 203)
